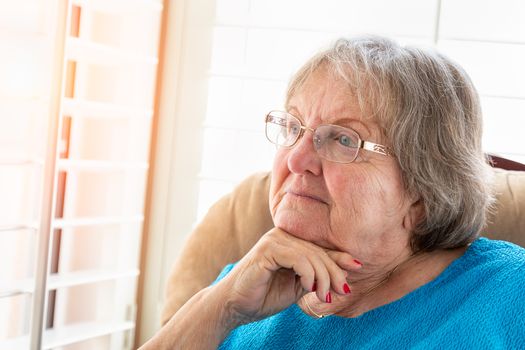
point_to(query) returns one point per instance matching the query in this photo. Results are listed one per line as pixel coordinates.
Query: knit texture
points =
(477, 302)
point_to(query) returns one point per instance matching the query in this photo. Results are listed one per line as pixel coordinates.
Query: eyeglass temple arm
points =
(374, 147)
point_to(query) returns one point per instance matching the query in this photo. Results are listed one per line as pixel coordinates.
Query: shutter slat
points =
(64, 280)
(90, 109)
(71, 279)
(18, 227)
(21, 162)
(97, 221)
(89, 52)
(100, 165)
(70, 334)
(119, 6)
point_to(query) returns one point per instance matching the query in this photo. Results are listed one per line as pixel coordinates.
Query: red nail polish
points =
(358, 262)
(346, 288)
(328, 297)
(314, 287)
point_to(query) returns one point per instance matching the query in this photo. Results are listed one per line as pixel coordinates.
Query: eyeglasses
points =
(332, 142)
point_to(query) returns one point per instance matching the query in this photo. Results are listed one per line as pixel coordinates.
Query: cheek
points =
(348, 202)
(364, 201)
(348, 190)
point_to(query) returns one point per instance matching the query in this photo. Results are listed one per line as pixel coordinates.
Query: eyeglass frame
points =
(361, 144)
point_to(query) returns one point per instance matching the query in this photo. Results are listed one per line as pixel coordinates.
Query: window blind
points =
(76, 112)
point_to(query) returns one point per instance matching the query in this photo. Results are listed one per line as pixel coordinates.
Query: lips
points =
(305, 194)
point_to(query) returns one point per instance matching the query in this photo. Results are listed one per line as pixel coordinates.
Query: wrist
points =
(228, 318)
(202, 323)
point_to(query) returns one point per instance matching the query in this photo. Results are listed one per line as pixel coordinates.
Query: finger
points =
(328, 275)
(307, 278)
(338, 280)
(322, 276)
(344, 260)
(302, 267)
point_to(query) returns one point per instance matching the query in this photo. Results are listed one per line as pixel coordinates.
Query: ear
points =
(414, 215)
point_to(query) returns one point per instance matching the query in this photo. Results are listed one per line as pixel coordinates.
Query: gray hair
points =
(429, 112)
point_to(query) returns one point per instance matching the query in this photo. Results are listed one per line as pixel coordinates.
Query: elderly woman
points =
(379, 192)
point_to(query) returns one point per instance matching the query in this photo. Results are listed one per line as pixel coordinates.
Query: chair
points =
(239, 219)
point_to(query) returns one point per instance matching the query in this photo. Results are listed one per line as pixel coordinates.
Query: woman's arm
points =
(274, 274)
(202, 323)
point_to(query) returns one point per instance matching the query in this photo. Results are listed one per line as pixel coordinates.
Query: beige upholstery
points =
(508, 220)
(236, 222)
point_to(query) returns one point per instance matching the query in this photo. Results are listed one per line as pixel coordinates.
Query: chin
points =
(299, 225)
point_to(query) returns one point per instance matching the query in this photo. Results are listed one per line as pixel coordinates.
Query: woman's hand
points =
(278, 271)
(274, 274)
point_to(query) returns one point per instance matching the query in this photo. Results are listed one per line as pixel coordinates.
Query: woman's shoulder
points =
(493, 252)
(492, 264)
(489, 272)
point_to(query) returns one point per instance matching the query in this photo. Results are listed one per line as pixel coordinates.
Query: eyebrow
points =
(352, 121)
(340, 122)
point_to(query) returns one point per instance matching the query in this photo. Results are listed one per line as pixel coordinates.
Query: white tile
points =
(256, 154)
(258, 98)
(504, 123)
(402, 17)
(278, 54)
(413, 18)
(231, 11)
(495, 69)
(297, 14)
(242, 103)
(483, 20)
(210, 191)
(233, 155)
(228, 51)
(224, 101)
(218, 152)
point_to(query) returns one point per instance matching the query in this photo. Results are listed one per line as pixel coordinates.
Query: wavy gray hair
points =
(430, 113)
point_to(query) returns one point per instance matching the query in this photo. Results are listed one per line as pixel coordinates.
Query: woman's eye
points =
(294, 129)
(345, 140)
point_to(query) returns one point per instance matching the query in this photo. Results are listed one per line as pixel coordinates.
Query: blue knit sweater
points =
(478, 302)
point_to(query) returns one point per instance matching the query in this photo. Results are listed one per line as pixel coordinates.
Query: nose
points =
(303, 158)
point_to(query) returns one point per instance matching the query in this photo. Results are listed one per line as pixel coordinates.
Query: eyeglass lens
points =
(332, 142)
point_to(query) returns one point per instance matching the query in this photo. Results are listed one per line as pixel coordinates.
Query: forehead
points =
(325, 98)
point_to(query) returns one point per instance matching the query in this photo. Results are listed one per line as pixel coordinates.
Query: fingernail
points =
(314, 287)
(346, 288)
(358, 262)
(328, 297)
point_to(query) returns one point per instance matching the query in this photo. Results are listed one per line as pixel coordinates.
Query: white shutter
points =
(76, 111)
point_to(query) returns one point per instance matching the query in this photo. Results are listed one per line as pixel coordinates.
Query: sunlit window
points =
(80, 75)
